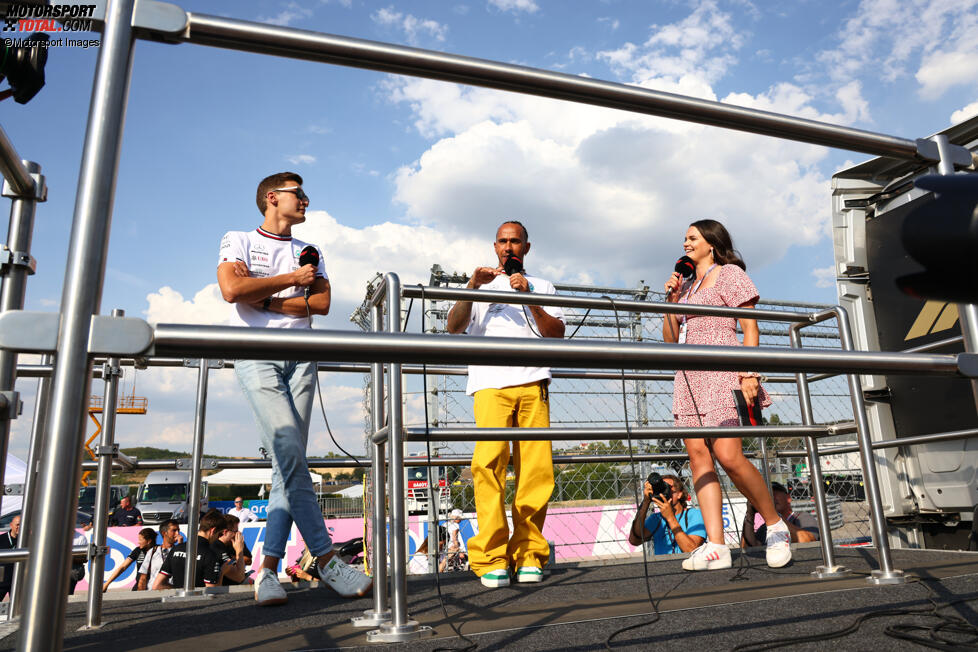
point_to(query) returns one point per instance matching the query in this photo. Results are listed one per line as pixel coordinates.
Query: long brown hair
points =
(719, 238)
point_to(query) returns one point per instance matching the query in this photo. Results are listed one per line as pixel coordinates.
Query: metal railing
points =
(53, 497)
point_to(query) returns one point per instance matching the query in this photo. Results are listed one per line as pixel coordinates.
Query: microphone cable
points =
(322, 404)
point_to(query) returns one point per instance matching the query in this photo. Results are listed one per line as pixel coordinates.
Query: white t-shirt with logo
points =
(266, 254)
(507, 320)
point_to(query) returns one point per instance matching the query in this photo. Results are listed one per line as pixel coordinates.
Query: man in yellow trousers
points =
(509, 397)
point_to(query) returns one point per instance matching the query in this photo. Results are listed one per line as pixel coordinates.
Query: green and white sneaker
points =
(529, 574)
(495, 579)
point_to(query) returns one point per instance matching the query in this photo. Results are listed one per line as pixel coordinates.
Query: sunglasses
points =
(295, 190)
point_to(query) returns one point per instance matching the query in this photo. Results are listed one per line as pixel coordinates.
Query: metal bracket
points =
(110, 371)
(928, 150)
(37, 332)
(186, 464)
(10, 405)
(112, 450)
(13, 490)
(40, 186)
(10, 259)
(968, 365)
(97, 551)
(194, 363)
(160, 21)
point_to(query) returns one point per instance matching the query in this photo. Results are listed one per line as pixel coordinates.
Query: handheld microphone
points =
(685, 267)
(309, 256)
(513, 265)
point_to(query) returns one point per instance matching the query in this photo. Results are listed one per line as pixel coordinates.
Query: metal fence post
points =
(189, 590)
(106, 453)
(886, 573)
(381, 612)
(57, 498)
(830, 568)
(400, 628)
(41, 400)
(15, 269)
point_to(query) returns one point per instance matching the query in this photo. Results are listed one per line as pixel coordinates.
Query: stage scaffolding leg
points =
(106, 452)
(886, 573)
(401, 628)
(381, 612)
(42, 626)
(830, 568)
(189, 590)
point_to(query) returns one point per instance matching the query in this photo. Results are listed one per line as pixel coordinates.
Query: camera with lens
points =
(659, 486)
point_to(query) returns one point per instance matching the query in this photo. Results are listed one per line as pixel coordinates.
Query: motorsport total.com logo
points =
(49, 18)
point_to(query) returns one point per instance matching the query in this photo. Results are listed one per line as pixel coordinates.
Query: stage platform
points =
(575, 608)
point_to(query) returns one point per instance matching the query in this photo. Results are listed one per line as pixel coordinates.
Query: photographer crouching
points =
(675, 527)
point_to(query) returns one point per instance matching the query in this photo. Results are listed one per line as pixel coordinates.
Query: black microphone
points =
(685, 267)
(309, 256)
(513, 265)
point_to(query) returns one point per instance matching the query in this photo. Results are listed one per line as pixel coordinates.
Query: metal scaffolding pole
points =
(57, 498)
(380, 613)
(41, 400)
(15, 267)
(400, 627)
(105, 452)
(886, 573)
(829, 568)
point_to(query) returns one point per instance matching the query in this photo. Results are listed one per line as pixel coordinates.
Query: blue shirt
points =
(664, 543)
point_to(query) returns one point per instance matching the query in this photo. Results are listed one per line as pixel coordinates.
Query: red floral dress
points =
(714, 402)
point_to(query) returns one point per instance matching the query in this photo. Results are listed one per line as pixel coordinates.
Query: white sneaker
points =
(709, 556)
(346, 580)
(495, 579)
(529, 574)
(268, 590)
(778, 545)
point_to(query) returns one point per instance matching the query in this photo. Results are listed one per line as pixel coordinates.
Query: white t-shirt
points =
(507, 320)
(244, 514)
(152, 563)
(266, 254)
(450, 527)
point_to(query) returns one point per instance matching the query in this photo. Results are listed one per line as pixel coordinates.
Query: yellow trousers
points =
(524, 406)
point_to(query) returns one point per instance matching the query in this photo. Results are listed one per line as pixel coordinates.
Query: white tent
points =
(356, 491)
(13, 473)
(250, 476)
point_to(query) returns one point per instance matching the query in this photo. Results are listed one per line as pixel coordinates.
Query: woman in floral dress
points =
(704, 398)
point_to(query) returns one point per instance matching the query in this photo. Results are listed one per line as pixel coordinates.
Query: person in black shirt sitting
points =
(8, 540)
(230, 548)
(212, 525)
(125, 514)
(147, 541)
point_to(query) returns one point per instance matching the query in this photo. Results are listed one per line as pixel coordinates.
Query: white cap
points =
(456, 513)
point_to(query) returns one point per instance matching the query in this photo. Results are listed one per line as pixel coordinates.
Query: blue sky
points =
(404, 173)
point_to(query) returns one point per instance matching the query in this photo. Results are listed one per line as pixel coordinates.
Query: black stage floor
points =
(575, 608)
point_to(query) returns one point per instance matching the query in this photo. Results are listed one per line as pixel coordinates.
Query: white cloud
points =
(529, 6)
(612, 23)
(168, 305)
(889, 39)
(292, 12)
(824, 277)
(301, 159)
(964, 113)
(696, 50)
(414, 28)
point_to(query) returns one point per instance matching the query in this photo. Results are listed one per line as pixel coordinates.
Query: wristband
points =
(266, 303)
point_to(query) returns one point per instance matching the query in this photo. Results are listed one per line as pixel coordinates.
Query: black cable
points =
(570, 337)
(472, 645)
(322, 405)
(631, 457)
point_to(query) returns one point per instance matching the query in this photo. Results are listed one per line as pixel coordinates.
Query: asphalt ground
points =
(577, 608)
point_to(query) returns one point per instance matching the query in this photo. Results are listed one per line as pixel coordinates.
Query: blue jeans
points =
(281, 395)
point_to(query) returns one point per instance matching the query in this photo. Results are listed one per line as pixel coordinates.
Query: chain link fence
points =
(584, 489)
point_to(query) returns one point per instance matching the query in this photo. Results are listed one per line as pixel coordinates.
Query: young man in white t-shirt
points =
(259, 272)
(505, 397)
